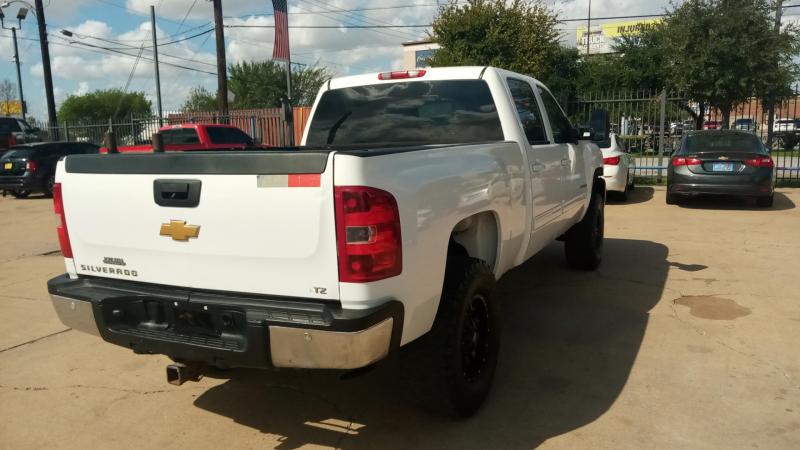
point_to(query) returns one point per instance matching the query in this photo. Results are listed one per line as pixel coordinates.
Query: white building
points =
(415, 53)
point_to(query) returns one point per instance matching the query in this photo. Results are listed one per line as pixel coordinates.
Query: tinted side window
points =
(189, 136)
(528, 110)
(562, 129)
(224, 135)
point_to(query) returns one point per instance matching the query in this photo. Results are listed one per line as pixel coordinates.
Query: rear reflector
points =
(760, 162)
(680, 161)
(401, 74)
(367, 234)
(614, 161)
(295, 180)
(61, 222)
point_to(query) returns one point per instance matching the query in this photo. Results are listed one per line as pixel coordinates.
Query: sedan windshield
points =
(723, 142)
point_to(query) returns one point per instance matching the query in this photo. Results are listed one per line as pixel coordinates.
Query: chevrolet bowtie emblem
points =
(179, 230)
(724, 158)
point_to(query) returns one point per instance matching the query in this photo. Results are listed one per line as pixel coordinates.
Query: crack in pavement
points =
(49, 253)
(34, 340)
(24, 298)
(704, 334)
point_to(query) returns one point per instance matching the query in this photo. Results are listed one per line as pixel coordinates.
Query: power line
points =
(181, 72)
(124, 48)
(333, 26)
(342, 21)
(350, 15)
(134, 11)
(115, 52)
(345, 10)
(297, 54)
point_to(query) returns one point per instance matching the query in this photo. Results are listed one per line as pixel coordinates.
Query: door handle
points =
(565, 162)
(538, 167)
(177, 193)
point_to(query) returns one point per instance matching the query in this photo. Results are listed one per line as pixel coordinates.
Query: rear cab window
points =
(225, 135)
(406, 113)
(180, 136)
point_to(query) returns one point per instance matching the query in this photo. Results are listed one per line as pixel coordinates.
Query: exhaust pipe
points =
(180, 373)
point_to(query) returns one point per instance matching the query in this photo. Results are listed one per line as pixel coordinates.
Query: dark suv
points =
(30, 168)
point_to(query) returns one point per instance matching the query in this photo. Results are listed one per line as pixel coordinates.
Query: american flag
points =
(281, 47)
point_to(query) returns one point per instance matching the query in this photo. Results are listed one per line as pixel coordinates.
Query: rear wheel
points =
(48, 185)
(672, 199)
(623, 196)
(765, 202)
(632, 184)
(20, 194)
(583, 243)
(450, 369)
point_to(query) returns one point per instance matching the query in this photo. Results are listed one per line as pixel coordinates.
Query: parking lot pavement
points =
(686, 337)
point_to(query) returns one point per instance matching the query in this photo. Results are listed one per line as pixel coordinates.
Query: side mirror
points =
(599, 125)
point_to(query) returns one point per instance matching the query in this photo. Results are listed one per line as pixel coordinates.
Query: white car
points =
(619, 167)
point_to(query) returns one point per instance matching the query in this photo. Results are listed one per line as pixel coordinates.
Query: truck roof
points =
(196, 125)
(439, 73)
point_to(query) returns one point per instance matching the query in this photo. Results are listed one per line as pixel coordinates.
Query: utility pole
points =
(771, 117)
(589, 29)
(48, 76)
(222, 68)
(19, 76)
(155, 62)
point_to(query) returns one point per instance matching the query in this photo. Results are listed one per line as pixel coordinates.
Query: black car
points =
(721, 162)
(30, 168)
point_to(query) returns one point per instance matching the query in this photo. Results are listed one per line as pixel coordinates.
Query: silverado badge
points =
(179, 230)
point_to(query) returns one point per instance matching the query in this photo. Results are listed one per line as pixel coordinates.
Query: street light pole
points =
(19, 76)
(155, 62)
(48, 76)
(589, 29)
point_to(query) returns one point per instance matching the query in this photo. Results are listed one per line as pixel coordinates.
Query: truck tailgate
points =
(265, 220)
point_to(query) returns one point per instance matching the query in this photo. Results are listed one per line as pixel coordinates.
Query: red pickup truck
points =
(191, 136)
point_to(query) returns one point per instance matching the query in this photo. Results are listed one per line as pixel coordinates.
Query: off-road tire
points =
(765, 202)
(20, 194)
(450, 369)
(583, 243)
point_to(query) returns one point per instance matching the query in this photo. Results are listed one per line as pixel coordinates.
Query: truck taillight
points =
(12, 141)
(760, 162)
(61, 222)
(401, 74)
(368, 234)
(686, 161)
(613, 161)
(31, 166)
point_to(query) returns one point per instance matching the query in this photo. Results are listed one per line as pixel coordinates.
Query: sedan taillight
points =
(760, 162)
(613, 161)
(681, 161)
(368, 234)
(61, 222)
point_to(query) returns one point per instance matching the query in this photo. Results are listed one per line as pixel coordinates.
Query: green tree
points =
(519, 35)
(102, 104)
(722, 52)
(200, 99)
(262, 84)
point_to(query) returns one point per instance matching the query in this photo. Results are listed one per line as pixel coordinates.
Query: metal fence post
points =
(661, 134)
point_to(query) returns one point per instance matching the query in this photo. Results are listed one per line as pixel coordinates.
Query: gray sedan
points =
(721, 162)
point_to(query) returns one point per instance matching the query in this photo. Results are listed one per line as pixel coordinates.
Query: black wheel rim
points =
(475, 338)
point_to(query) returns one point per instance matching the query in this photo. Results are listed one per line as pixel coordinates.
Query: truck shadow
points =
(734, 203)
(641, 194)
(570, 340)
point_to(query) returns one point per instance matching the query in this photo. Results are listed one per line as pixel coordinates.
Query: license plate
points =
(9, 165)
(723, 167)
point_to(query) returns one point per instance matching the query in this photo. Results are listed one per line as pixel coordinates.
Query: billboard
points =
(601, 38)
(10, 108)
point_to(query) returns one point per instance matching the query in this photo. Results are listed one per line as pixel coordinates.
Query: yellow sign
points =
(10, 107)
(179, 230)
(601, 38)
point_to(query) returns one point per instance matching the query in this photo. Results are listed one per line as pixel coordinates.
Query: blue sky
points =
(78, 68)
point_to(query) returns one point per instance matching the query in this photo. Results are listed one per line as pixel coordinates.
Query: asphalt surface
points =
(686, 337)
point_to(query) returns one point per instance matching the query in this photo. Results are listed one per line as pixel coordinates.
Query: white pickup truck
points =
(412, 192)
